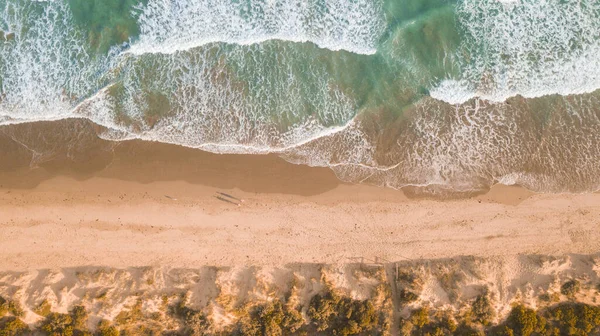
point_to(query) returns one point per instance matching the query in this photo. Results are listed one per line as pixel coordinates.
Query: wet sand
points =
(94, 202)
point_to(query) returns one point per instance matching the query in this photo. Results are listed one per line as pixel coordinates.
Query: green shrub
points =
(525, 321)
(420, 323)
(502, 330)
(13, 326)
(405, 328)
(407, 296)
(106, 329)
(43, 309)
(57, 324)
(79, 316)
(419, 317)
(570, 288)
(271, 318)
(341, 315)
(449, 324)
(545, 297)
(482, 309)
(195, 322)
(10, 306)
(131, 316)
(465, 329)
(575, 318)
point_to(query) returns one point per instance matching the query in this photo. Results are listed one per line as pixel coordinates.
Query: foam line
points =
(168, 27)
(530, 48)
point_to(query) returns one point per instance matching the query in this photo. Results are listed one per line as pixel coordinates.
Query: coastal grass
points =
(330, 311)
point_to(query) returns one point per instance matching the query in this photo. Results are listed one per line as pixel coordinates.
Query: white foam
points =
(167, 26)
(45, 67)
(42, 81)
(530, 48)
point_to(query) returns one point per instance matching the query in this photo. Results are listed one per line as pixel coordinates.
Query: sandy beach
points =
(127, 230)
(154, 204)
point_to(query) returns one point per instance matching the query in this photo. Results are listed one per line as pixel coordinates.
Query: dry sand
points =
(115, 212)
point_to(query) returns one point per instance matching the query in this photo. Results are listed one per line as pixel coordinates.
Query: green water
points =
(429, 93)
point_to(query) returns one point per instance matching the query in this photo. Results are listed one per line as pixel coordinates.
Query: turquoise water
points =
(437, 95)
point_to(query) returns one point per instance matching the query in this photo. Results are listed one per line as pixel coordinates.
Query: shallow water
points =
(443, 96)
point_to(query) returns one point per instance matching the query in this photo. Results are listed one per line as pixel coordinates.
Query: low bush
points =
(407, 296)
(570, 288)
(272, 318)
(74, 323)
(575, 318)
(482, 309)
(195, 322)
(57, 324)
(341, 315)
(10, 306)
(13, 326)
(105, 328)
(43, 309)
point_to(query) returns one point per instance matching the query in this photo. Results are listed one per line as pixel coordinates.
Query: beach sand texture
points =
(143, 203)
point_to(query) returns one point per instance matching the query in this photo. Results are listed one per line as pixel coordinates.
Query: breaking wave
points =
(530, 48)
(168, 26)
(388, 93)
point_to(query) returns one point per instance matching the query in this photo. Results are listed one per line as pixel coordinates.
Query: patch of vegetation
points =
(195, 323)
(449, 282)
(57, 324)
(340, 315)
(43, 309)
(421, 322)
(406, 296)
(482, 309)
(420, 317)
(570, 288)
(545, 297)
(502, 330)
(80, 317)
(328, 313)
(130, 316)
(465, 329)
(74, 323)
(525, 321)
(272, 318)
(101, 296)
(409, 279)
(134, 322)
(10, 306)
(13, 326)
(105, 328)
(575, 318)
(521, 321)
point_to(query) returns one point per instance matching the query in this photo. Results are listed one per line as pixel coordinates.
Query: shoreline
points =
(150, 204)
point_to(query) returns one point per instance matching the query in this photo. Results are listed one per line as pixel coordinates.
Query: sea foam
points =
(530, 48)
(168, 26)
(45, 68)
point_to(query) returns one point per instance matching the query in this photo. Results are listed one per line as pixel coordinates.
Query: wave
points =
(241, 83)
(45, 68)
(168, 27)
(529, 48)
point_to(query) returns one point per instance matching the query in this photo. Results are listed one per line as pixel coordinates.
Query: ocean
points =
(435, 96)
